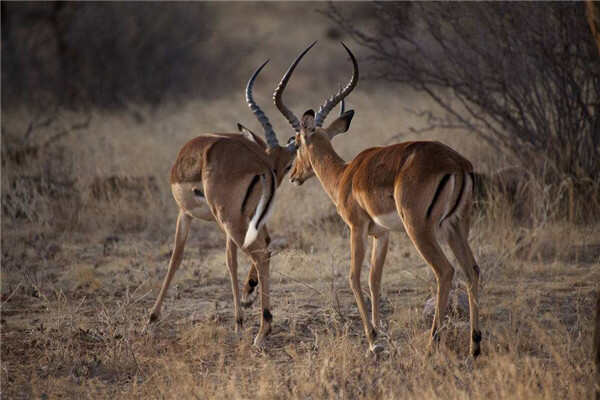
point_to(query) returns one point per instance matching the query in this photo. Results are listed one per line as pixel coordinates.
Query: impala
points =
(424, 187)
(231, 179)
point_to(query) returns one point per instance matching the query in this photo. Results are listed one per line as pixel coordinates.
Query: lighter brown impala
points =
(231, 179)
(424, 187)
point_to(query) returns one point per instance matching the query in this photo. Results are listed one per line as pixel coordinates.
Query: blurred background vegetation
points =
(110, 54)
(107, 54)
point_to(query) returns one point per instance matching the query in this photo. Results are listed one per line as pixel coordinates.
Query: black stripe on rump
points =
(437, 193)
(250, 187)
(460, 194)
(269, 201)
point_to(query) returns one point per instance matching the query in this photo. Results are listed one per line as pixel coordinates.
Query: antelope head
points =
(310, 128)
(282, 156)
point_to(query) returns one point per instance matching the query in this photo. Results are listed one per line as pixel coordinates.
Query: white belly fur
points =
(391, 221)
(194, 205)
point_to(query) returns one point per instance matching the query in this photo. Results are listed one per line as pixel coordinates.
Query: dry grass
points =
(75, 304)
(80, 271)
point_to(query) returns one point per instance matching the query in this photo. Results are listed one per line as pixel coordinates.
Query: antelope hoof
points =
(259, 343)
(153, 318)
(476, 351)
(150, 324)
(249, 294)
(475, 346)
(248, 300)
(376, 348)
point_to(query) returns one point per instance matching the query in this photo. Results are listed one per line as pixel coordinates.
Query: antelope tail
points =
(264, 208)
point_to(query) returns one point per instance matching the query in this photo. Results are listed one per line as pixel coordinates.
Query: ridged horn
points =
(288, 114)
(260, 115)
(339, 96)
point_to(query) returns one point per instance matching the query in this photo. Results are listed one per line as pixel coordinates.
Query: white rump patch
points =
(191, 203)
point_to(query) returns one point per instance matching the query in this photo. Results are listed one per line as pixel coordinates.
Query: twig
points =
(75, 127)
(12, 293)
(302, 283)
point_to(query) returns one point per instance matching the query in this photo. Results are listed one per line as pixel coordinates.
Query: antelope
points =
(216, 177)
(424, 187)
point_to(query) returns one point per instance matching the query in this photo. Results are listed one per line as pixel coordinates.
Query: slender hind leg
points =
(181, 233)
(378, 253)
(429, 248)
(457, 240)
(231, 249)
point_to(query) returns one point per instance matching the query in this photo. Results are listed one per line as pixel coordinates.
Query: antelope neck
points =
(327, 164)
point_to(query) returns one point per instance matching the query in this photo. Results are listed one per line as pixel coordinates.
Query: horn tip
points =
(348, 50)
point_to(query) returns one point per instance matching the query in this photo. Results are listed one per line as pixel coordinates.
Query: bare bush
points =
(524, 77)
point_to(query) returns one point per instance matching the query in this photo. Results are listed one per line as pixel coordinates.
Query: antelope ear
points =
(248, 134)
(292, 145)
(340, 125)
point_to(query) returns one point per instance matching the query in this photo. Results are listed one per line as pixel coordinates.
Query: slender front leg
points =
(358, 239)
(231, 249)
(181, 233)
(378, 254)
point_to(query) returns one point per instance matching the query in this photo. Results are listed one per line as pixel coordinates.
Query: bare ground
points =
(74, 309)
